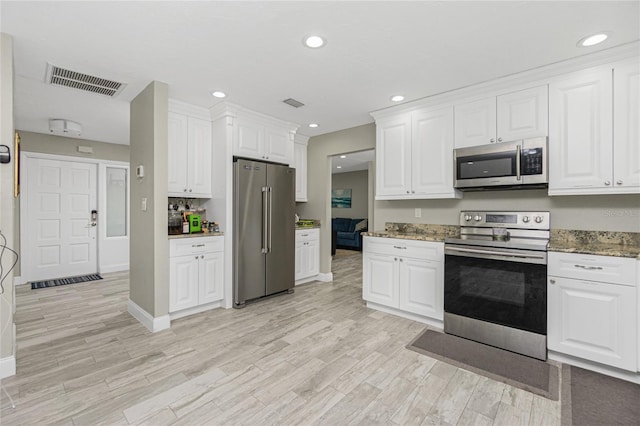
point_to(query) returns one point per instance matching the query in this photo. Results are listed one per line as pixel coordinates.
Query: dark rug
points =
(590, 398)
(64, 281)
(526, 373)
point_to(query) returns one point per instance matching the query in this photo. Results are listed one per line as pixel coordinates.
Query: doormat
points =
(590, 398)
(520, 371)
(64, 281)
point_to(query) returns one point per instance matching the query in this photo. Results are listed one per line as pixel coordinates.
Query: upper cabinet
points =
(512, 116)
(256, 139)
(189, 151)
(300, 164)
(594, 145)
(414, 155)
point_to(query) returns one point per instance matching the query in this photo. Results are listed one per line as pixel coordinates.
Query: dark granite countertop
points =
(416, 231)
(603, 243)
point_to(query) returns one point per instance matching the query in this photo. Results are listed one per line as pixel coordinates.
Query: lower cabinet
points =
(307, 253)
(196, 272)
(404, 274)
(588, 317)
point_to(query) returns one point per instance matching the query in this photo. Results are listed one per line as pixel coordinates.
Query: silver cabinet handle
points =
(589, 268)
(619, 182)
(518, 162)
(185, 190)
(499, 139)
(607, 183)
(552, 281)
(399, 247)
(400, 260)
(407, 192)
(196, 257)
(197, 245)
(492, 140)
(395, 258)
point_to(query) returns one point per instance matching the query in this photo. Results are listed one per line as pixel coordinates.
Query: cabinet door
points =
(626, 122)
(278, 145)
(178, 147)
(313, 257)
(422, 287)
(475, 123)
(301, 260)
(211, 270)
(593, 320)
(183, 282)
(380, 279)
(393, 157)
(523, 114)
(580, 133)
(199, 164)
(432, 152)
(300, 163)
(248, 140)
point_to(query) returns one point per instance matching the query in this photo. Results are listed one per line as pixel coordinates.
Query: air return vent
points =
(293, 103)
(76, 80)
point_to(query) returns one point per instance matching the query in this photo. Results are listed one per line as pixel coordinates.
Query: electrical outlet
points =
(143, 204)
(418, 212)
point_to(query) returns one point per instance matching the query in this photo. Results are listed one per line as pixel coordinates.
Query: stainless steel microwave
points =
(506, 165)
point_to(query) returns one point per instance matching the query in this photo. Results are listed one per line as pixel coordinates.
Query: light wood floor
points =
(317, 356)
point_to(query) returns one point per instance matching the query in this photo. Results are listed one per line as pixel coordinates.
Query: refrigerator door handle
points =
(265, 223)
(270, 217)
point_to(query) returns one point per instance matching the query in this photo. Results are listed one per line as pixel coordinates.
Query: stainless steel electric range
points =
(495, 289)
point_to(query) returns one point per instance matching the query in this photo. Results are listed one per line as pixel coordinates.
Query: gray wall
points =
(60, 145)
(149, 266)
(319, 151)
(7, 224)
(359, 184)
(593, 212)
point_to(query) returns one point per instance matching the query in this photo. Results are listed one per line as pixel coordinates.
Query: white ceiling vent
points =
(76, 80)
(293, 103)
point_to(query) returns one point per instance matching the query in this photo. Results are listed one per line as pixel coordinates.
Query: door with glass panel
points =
(113, 229)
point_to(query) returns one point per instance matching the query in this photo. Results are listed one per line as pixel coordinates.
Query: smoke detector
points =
(64, 127)
(62, 77)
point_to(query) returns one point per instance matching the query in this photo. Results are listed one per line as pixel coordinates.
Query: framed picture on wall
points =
(341, 198)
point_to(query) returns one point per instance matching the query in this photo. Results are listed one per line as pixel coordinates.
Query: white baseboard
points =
(435, 323)
(19, 281)
(114, 268)
(594, 366)
(153, 324)
(7, 366)
(195, 310)
(325, 277)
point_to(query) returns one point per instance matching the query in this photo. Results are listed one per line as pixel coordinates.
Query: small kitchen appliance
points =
(195, 224)
(519, 164)
(495, 289)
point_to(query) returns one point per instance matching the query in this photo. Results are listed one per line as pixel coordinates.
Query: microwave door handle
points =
(518, 177)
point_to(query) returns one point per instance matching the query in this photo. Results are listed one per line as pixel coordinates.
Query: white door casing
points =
(59, 239)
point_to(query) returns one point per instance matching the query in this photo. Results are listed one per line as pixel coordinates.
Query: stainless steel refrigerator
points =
(264, 230)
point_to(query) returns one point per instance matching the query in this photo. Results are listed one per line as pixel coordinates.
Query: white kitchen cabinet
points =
(414, 157)
(189, 152)
(300, 164)
(256, 139)
(196, 272)
(581, 133)
(307, 257)
(405, 275)
(505, 118)
(626, 126)
(589, 318)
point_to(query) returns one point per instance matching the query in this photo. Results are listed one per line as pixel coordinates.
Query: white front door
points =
(60, 234)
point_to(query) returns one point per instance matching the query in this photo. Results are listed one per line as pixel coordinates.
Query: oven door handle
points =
(503, 255)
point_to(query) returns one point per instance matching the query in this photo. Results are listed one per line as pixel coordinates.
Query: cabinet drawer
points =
(307, 234)
(618, 270)
(406, 248)
(180, 247)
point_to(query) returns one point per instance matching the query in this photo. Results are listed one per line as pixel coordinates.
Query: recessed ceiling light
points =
(343, 156)
(314, 125)
(338, 167)
(592, 40)
(314, 41)
(218, 94)
(397, 98)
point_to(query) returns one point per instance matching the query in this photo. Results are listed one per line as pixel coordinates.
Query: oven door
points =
(500, 286)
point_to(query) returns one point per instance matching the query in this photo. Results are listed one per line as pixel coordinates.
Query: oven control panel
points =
(501, 219)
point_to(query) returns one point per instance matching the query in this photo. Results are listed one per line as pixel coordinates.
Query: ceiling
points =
(352, 162)
(253, 51)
